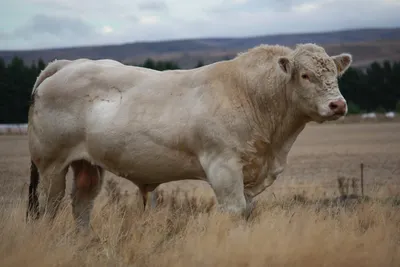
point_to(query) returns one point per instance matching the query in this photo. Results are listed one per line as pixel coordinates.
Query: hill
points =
(366, 45)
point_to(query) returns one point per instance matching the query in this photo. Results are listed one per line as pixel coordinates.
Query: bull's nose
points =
(338, 107)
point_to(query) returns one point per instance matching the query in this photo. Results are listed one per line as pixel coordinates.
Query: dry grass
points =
(302, 220)
(280, 233)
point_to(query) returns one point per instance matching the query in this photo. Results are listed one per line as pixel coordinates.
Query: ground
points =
(296, 222)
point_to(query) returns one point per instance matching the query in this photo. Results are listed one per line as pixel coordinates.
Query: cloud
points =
(107, 29)
(149, 20)
(153, 5)
(46, 31)
(57, 23)
(56, 26)
(306, 7)
(393, 2)
(283, 5)
(257, 5)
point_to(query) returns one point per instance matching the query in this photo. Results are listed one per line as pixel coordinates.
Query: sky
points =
(35, 24)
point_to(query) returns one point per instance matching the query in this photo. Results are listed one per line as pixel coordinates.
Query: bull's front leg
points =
(256, 190)
(268, 176)
(224, 173)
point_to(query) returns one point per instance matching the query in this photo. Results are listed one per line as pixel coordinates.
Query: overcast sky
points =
(28, 24)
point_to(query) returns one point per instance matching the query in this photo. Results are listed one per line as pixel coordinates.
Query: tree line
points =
(375, 89)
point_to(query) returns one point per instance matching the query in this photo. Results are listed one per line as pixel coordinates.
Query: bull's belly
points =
(118, 138)
(147, 164)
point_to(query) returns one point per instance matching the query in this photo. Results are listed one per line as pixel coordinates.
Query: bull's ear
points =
(285, 65)
(342, 62)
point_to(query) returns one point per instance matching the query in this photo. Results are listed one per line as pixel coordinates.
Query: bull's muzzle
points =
(339, 107)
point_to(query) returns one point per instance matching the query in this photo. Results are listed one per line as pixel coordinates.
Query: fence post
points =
(362, 179)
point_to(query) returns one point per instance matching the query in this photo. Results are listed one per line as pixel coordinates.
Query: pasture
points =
(298, 221)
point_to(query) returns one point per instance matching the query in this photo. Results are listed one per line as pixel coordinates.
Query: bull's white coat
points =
(231, 123)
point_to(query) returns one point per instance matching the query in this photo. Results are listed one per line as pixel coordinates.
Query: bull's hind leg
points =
(52, 187)
(87, 184)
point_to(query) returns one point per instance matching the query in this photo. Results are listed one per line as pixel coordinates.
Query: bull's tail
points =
(48, 71)
(33, 199)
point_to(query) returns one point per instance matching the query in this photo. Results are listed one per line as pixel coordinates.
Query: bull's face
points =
(313, 81)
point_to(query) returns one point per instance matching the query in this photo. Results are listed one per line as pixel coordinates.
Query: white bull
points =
(231, 123)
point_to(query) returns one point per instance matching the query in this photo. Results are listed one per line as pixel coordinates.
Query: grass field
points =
(296, 222)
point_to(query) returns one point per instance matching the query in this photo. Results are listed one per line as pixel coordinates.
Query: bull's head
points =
(313, 80)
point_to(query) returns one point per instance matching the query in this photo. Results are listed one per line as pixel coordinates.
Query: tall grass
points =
(189, 231)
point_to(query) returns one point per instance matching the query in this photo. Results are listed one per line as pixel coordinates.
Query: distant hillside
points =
(366, 45)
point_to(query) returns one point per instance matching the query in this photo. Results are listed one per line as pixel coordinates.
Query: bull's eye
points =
(305, 76)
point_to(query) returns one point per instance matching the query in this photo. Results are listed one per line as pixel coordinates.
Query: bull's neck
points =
(275, 115)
